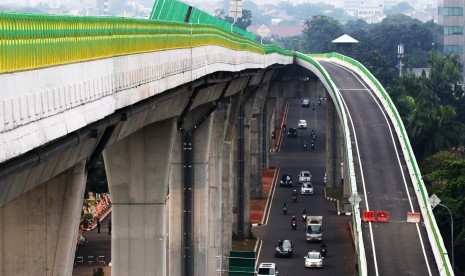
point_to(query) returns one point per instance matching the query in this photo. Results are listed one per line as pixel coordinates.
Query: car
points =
(266, 269)
(313, 259)
(305, 176)
(305, 103)
(302, 124)
(284, 248)
(306, 188)
(286, 180)
(292, 132)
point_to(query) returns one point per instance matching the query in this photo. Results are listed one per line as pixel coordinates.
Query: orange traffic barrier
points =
(413, 217)
(382, 216)
(368, 216)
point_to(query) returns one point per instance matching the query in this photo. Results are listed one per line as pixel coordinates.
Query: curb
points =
(339, 213)
(268, 205)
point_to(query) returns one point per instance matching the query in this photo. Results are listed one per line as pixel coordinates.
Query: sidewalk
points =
(258, 206)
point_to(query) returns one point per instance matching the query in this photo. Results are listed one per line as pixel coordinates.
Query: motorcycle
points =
(304, 217)
(294, 196)
(294, 225)
(284, 210)
(313, 107)
(305, 146)
(323, 252)
(319, 102)
(312, 146)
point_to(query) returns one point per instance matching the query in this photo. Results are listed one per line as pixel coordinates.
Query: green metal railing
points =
(31, 41)
(172, 10)
(406, 143)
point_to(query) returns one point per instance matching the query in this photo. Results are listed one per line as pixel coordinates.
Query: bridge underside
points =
(181, 166)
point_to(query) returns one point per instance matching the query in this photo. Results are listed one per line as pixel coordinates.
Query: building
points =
(451, 22)
(371, 14)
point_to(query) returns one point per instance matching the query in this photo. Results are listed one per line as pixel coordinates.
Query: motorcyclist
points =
(284, 205)
(313, 106)
(293, 222)
(319, 101)
(294, 193)
(284, 127)
(312, 146)
(323, 249)
(305, 145)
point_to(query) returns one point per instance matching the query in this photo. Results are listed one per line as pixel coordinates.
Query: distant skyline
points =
(419, 4)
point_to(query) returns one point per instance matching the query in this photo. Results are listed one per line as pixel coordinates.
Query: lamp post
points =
(451, 233)
(435, 201)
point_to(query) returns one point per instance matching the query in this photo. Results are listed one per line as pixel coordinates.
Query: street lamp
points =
(435, 201)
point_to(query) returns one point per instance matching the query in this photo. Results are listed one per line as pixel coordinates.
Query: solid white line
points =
(267, 215)
(399, 163)
(363, 183)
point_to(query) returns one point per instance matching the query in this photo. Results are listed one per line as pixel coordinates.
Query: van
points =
(267, 269)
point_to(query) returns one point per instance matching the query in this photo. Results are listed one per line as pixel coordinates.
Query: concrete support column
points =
(202, 209)
(175, 222)
(215, 190)
(269, 128)
(334, 146)
(39, 230)
(138, 170)
(253, 118)
(229, 169)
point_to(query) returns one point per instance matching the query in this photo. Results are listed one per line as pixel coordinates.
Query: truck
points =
(314, 230)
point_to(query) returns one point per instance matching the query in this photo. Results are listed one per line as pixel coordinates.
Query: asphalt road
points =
(291, 159)
(397, 247)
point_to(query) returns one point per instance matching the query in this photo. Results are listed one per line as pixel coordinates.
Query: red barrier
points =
(413, 217)
(382, 216)
(368, 216)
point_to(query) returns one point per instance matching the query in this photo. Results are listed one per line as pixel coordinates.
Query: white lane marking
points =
(370, 226)
(398, 161)
(267, 215)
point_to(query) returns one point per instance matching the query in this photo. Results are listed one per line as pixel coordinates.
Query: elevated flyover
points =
(182, 113)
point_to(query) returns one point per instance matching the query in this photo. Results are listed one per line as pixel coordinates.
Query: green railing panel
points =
(30, 41)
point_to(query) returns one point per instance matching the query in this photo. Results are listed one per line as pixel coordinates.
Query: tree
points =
(290, 43)
(443, 174)
(242, 22)
(318, 33)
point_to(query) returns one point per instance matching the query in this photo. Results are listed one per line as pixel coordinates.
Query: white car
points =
(306, 103)
(267, 269)
(306, 189)
(302, 124)
(305, 176)
(313, 259)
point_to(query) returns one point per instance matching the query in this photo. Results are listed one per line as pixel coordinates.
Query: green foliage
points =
(444, 175)
(97, 179)
(428, 107)
(318, 33)
(290, 42)
(98, 272)
(242, 22)
(399, 8)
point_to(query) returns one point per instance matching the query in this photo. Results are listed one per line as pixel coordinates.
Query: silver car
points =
(305, 176)
(306, 189)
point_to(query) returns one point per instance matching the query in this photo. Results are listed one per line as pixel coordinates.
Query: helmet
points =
(295, 191)
(293, 217)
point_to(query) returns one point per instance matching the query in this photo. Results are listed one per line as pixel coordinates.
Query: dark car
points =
(284, 248)
(292, 132)
(286, 180)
